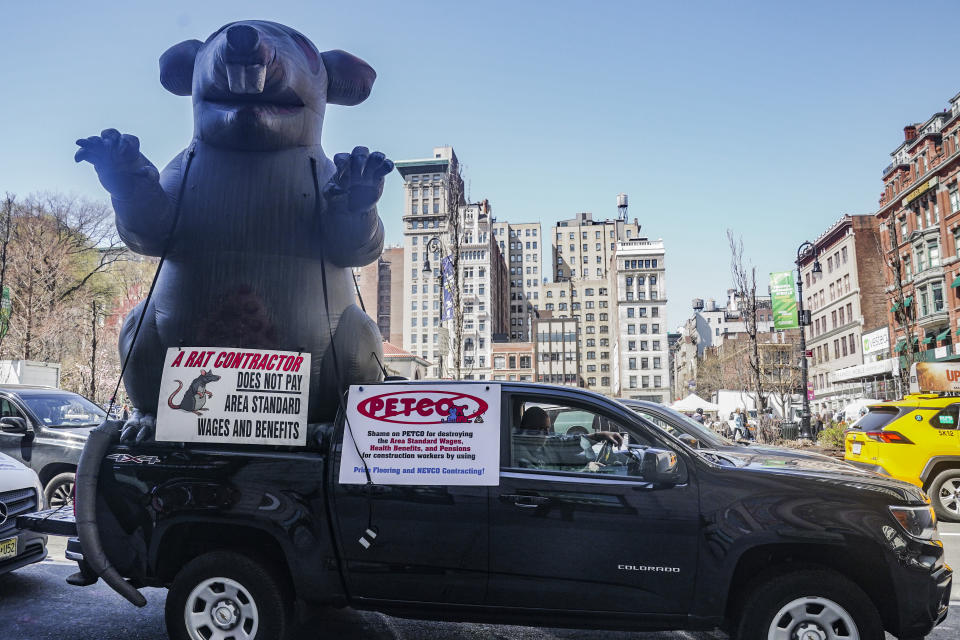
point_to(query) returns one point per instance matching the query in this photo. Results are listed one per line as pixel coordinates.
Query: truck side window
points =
(946, 418)
(8, 409)
(550, 436)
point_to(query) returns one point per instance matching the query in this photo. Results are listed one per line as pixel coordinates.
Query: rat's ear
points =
(349, 79)
(176, 67)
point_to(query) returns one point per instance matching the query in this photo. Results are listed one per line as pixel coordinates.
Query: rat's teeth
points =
(246, 79)
(236, 78)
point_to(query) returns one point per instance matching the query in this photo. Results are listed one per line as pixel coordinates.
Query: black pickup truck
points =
(656, 535)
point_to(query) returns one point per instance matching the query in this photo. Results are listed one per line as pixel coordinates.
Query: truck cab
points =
(575, 528)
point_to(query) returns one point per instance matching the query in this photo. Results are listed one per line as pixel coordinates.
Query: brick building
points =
(919, 222)
(513, 361)
(846, 300)
(380, 287)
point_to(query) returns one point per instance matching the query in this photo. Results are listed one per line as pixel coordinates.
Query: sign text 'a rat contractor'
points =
(422, 434)
(234, 396)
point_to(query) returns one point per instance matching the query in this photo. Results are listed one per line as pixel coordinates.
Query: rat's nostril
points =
(242, 39)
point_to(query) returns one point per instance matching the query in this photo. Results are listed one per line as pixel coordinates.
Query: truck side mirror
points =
(661, 467)
(11, 424)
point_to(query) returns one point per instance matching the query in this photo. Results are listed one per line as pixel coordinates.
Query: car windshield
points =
(677, 424)
(64, 410)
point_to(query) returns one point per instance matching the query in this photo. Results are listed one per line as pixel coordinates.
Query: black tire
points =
(811, 592)
(59, 490)
(945, 495)
(251, 581)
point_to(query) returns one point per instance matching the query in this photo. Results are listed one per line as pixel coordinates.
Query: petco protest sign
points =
(234, 396)
(423, 434)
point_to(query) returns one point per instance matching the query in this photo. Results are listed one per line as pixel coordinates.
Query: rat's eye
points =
(309, 51)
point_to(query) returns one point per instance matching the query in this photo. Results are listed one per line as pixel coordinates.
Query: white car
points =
(20, 493)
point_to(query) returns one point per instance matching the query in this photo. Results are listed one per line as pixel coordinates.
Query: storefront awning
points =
(907, 301)
(893, 309)
(900, 345)
(943, 334)
(927, 340)
(916, 339)
(956, 282)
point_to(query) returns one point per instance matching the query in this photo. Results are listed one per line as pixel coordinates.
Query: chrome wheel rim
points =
(949, 496)
(221, 609)
(62, 496)
(812, 618)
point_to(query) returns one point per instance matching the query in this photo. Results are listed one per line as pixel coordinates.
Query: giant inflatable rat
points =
(259, 227)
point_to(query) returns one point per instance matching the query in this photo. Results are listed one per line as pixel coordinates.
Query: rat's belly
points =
(250, 300)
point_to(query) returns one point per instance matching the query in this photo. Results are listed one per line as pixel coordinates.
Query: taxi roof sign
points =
(934, 377)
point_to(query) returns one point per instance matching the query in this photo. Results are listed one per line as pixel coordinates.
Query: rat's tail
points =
(170, 399)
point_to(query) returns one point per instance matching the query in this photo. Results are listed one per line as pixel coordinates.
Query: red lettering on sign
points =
(422, 407)
(953, 375)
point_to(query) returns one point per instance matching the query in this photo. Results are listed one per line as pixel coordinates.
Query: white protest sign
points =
(422, 434)
(234, 396)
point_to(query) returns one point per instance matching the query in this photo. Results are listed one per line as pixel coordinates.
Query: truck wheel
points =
(224, 594)
(945, 495)
(59, 491)
(810, 603)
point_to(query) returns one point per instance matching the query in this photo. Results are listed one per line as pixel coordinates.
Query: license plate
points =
(8, 548)
(855, 448)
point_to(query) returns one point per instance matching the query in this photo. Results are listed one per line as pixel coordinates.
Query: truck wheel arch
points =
(54, 469)
(861, 561)
(180, 542)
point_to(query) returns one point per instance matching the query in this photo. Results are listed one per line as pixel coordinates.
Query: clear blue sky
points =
(767, 118)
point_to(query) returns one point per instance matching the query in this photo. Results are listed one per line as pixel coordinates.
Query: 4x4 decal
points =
(126, 457)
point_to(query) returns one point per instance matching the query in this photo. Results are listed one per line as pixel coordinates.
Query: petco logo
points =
(423, 407)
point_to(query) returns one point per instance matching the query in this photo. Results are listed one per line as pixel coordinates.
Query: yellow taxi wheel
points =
(945, 495)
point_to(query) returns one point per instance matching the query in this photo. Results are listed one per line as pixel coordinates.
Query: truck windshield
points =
(64, 410)
(676, 424)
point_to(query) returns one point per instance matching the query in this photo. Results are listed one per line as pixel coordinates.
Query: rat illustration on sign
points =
(196, 395)
(259, 228)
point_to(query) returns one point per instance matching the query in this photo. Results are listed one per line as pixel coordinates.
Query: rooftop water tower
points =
(622, 206)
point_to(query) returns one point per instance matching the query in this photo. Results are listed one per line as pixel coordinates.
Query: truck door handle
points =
(524, 502)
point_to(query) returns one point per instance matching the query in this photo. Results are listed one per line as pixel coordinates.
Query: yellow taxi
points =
(917, 440)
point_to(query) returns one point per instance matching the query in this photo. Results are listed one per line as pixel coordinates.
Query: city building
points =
(432, 187)
(380, 290)
(637, 282)
(919, 221)
(583, 247)
(522, 247)
(557, 355)
(845, 301)
(402, 363)
(707, 329)
(513, 361)
(589, 302)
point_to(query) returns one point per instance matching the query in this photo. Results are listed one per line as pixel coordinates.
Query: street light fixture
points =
(435, 242)
(804, 321)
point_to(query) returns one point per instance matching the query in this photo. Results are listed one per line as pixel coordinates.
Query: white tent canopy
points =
(693, 402)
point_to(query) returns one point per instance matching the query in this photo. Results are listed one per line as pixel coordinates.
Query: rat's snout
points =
(245, 56)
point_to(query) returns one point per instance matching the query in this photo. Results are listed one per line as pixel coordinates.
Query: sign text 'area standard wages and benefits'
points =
(422, 434)
(234, 396)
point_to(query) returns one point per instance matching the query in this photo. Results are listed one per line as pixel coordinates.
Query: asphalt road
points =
(36, 604)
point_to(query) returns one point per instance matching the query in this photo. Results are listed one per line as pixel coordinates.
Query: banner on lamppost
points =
(783, 300)
(5, 311)
(446, 273)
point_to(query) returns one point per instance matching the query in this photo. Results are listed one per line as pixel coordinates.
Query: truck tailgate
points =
(54, 522)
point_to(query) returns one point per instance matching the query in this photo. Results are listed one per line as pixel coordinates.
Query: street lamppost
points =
(803, 320)
(437, 247)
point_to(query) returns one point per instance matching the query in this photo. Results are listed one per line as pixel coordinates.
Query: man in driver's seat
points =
(536, 446)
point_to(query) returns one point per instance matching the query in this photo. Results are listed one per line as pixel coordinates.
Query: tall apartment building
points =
(845, 301)
(641, 358)
(425, 184)
(380, 287)
(557, 353)
(522, 247)
(484, 283)
(583, 247)
(919, 218)
(588, 302)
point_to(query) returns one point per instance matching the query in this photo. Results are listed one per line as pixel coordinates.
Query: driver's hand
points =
(594, 467)
(612, 437)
